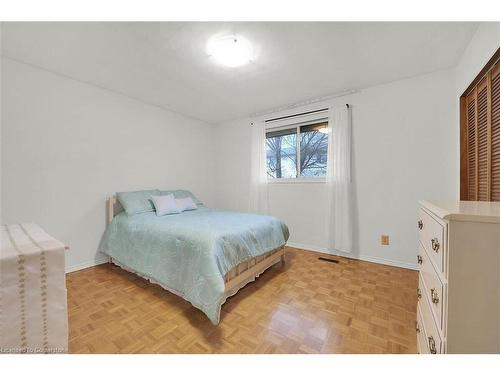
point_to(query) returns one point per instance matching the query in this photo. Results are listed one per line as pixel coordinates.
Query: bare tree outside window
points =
(313, 150)
(282, 156)
(283, 150)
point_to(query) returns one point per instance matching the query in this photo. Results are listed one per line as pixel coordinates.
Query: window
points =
(297, 152)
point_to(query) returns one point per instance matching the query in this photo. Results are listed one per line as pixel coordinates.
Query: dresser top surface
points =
(465, 210)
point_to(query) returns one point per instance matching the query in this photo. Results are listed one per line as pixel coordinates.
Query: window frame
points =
(299, 178)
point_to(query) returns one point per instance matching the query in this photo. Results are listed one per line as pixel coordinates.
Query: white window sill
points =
(301, 180)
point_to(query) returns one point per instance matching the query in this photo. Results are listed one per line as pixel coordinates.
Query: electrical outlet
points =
(384, 239)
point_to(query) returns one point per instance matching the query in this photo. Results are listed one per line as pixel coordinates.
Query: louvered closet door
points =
(482, 115)
(495, 133)
(482, 142)
(471, 146)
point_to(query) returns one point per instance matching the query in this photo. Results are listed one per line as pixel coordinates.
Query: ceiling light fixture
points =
(230, 50)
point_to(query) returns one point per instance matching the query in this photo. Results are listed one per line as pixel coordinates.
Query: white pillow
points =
(185, 204)
(165, 204)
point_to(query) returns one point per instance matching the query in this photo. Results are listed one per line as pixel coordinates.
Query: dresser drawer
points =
(432, 235)
(432, 338)
(432, 287)
(422, 346)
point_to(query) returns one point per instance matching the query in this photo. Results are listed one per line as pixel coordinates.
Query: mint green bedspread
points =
(191, 252)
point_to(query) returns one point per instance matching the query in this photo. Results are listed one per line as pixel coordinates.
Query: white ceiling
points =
(166, 64)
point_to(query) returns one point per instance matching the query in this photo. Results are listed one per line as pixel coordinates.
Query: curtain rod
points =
(318, 100)
(299, 114)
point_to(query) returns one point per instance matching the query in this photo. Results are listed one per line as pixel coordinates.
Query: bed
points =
(204, 255)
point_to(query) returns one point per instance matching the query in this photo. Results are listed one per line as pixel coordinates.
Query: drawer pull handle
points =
(417, 328)
(419, 259)
(419, 293)
(420, 224)
(435, 244)
(434, 296)
(432, 345)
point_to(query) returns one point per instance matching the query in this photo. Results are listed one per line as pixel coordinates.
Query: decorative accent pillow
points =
(135, 202)
(165, 204)
(185, 204)
(183, 194)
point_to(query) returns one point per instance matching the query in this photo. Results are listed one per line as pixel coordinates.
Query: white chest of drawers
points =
(459, 283)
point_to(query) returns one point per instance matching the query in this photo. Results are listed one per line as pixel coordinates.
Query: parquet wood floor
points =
(309, 306)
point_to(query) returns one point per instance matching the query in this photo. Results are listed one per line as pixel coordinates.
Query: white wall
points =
(481, 48)
(67, 145)
(404, 150)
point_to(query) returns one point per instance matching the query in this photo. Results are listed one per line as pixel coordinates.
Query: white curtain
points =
(338, 178)
(259, 194)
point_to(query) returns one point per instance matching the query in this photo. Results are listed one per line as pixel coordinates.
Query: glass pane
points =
(282, 156)
(313, 150)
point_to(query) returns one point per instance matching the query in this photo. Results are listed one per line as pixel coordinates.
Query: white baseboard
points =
(388, 262)
(308, 247)
(367, 258)
(91, 263)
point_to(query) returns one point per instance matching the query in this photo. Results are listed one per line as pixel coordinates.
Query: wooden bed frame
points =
(238, 276)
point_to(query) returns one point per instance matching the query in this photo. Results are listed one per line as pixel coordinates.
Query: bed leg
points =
(282, 260)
